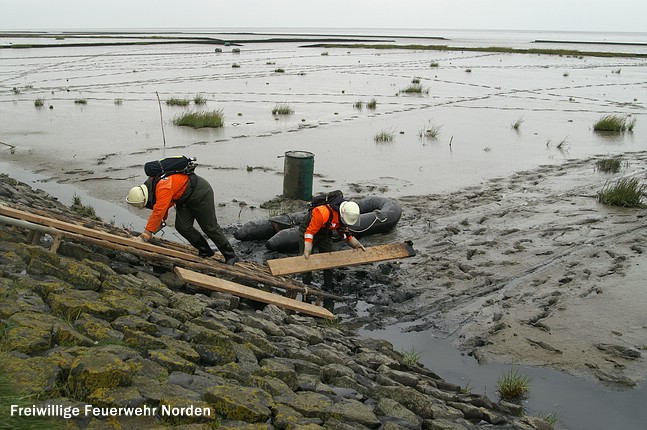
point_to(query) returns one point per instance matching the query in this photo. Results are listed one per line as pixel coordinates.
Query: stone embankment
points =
(105, 340)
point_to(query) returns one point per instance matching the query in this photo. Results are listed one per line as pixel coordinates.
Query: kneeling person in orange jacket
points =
(194, 201)
(318, 230)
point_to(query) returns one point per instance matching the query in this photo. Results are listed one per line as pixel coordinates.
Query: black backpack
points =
(332, 198)
(170, 165)
(160, 169)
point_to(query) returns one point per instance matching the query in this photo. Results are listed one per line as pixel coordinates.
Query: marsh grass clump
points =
(39, 102)
(384, 136)
(199, 99)
(279, 70)
(119, 102)
(235, 66)
(282, 109)
(626, 193)
(174, 101)
(415, 80)
(434, 64)
(513, 387)
(212, 119)
(515, 125)
(430, 132)
(614, 123)
(78, 207)
(81, 102)
(372, 104)
(411, 357)
(608, 165)
(414, 89)
(358, 105)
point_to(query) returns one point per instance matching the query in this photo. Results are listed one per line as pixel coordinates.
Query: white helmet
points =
(349, 212)
(138, 196)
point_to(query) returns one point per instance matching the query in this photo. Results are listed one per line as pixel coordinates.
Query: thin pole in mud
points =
(161, 119)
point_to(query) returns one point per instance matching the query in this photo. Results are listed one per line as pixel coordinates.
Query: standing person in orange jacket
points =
(194, 201)
(318, 229)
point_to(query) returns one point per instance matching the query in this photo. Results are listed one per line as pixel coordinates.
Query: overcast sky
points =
(561, 15)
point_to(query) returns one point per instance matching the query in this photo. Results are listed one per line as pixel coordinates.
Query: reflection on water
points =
(580, 404)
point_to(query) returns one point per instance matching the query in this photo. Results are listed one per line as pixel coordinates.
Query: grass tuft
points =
(384, 136)
(517, 123)
(608, 165)
(430, 132)
(372, 104)
(626, 193)
(213, 119)
(199, 99)
(411, 357)
(513, 387)
(282, 109)
(414, 89)
(173, 101)
(614, 123)
(81, 101)
(358, 105)
(39, 102)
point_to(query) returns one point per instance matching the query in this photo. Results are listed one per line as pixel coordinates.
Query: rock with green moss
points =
(251, 405)
(35, 375)
(98, 370)
(81, 276)
(171, 360)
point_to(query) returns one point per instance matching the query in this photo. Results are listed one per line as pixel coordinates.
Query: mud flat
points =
(528, 269)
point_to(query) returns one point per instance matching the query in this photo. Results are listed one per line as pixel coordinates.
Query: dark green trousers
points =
(322, 242)
(199, 207)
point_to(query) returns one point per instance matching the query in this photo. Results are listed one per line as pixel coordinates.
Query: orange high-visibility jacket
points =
(319, 219)
(167, 192)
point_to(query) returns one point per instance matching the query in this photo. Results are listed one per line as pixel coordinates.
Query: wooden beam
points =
(169, 251)
(349, 257)
(224, 286)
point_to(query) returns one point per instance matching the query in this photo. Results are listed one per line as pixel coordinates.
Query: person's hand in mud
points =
(354, 243)
(307, 249)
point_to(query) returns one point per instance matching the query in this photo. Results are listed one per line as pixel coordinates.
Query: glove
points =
(355, 244)
(144, 237)
(307, 249)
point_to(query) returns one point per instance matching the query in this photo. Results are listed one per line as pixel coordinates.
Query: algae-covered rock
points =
(390, 408)
(171, 360)
(215, 354)
(96, 328)
(308, 403)
(30, 332)
(239, 403)
(76, 302)
(134, 322)
(412, 399)
(98, 370)
(81, 276)
(192, 305)
(348, 410)
(35, 375)
(279, 370)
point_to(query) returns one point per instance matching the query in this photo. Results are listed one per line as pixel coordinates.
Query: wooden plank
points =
(224, 286)
(349, 257)
(97, 234)
(242, 270)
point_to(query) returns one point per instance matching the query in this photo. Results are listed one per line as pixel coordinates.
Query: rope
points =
(372, 224)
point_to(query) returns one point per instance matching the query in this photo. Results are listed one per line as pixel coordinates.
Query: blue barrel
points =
(298, 171)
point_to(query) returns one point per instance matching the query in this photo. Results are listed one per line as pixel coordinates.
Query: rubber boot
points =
(228, 253)
(307, 278)
(204, 250)
(327, 280)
